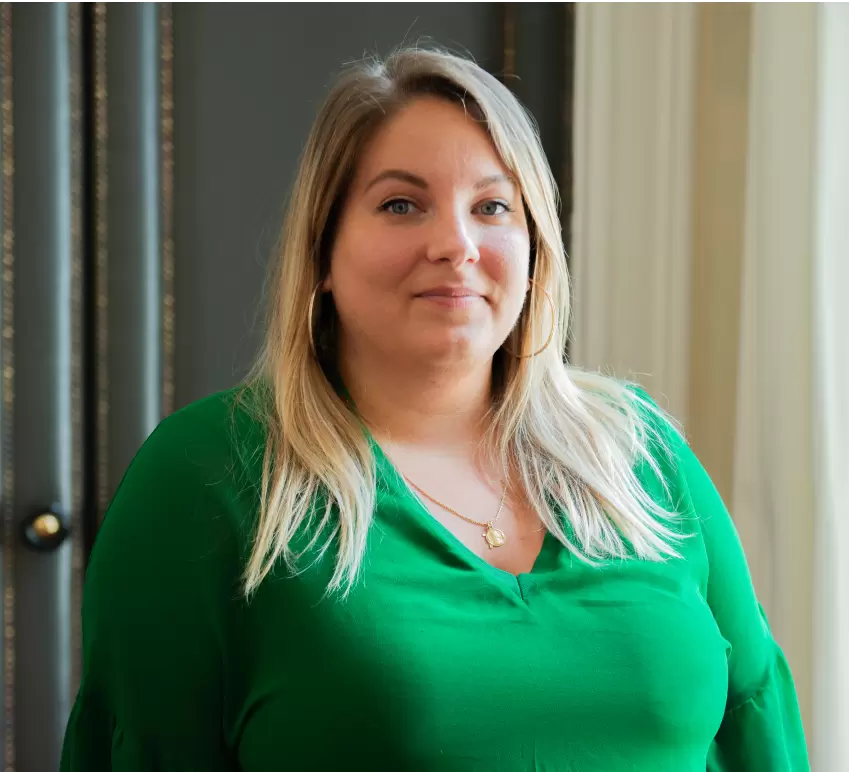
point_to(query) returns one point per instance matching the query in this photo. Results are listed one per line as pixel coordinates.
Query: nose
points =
(452, 239)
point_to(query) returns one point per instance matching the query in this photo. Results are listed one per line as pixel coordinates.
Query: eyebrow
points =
(420, 182)
(493, 179)
(398, 174)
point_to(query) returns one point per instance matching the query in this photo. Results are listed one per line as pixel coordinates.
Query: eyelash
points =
(384, 207)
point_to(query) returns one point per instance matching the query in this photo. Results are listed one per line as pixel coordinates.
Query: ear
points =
(327, 285)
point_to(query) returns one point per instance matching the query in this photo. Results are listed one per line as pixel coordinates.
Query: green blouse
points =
(435, 662)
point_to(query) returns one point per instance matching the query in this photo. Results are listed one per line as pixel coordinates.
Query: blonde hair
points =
(571, 438)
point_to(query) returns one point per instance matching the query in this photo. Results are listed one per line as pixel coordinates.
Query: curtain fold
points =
(830, 739)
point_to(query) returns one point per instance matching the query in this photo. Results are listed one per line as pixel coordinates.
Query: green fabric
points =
(436, 662)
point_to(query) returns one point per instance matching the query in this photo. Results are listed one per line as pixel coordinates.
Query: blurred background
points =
(702, 155)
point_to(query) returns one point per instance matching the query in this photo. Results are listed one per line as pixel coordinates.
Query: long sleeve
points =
(153, 626)
(762, 727)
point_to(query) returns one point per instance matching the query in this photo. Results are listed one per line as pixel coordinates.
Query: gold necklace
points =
(494, 537)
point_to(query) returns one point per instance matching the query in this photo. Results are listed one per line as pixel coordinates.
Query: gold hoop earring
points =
(550, 332)
(310, 324)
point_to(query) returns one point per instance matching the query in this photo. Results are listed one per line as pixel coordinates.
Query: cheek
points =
(366, 270)
(506, 258)
(370, 260)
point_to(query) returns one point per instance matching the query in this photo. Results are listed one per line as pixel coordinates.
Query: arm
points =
(153, 617)
(762, 727)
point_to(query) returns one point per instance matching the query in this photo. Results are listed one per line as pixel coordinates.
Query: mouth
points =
(452, 297)
(449, 294)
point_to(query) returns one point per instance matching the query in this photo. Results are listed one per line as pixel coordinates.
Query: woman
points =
(415, 539)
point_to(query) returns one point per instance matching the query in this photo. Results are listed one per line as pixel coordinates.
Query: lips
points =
(452, 298)
(450, 292)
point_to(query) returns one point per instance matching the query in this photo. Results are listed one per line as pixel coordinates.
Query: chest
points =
(451, 665)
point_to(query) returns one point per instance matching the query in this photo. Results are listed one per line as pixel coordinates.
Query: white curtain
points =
(831, 395)
(711, 258)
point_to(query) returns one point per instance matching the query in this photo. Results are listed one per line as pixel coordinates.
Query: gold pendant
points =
(495, 537)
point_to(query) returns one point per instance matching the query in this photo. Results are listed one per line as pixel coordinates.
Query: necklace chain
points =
(494, 537)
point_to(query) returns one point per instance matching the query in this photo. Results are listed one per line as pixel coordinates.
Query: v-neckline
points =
(444, 535)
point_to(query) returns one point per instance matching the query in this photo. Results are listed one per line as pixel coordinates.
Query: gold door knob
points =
(46, 525)
(44, 531)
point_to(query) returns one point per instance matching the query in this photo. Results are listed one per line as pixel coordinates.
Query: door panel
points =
(42, 590)
(128, 210)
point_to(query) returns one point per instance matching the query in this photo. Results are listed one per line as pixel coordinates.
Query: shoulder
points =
(665, 459)
(212, 438)
(658, 429)
(645, 420)
(208, 420)
(191, 483)
(686, 484)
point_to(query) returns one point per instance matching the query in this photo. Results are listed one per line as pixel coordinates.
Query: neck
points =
(440, 406)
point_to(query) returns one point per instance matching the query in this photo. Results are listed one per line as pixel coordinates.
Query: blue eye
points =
(397, 206)
(491, 208)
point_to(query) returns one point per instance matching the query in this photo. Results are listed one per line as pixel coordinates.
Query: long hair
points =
(571, 439)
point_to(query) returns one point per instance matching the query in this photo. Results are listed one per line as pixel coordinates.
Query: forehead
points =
(433, 138)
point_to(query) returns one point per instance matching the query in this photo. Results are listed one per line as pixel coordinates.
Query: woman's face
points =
(430, 260)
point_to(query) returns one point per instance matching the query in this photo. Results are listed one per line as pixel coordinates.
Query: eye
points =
(398, 206)
(493, 208)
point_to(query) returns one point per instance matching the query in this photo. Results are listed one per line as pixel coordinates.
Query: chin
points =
(454, 348)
